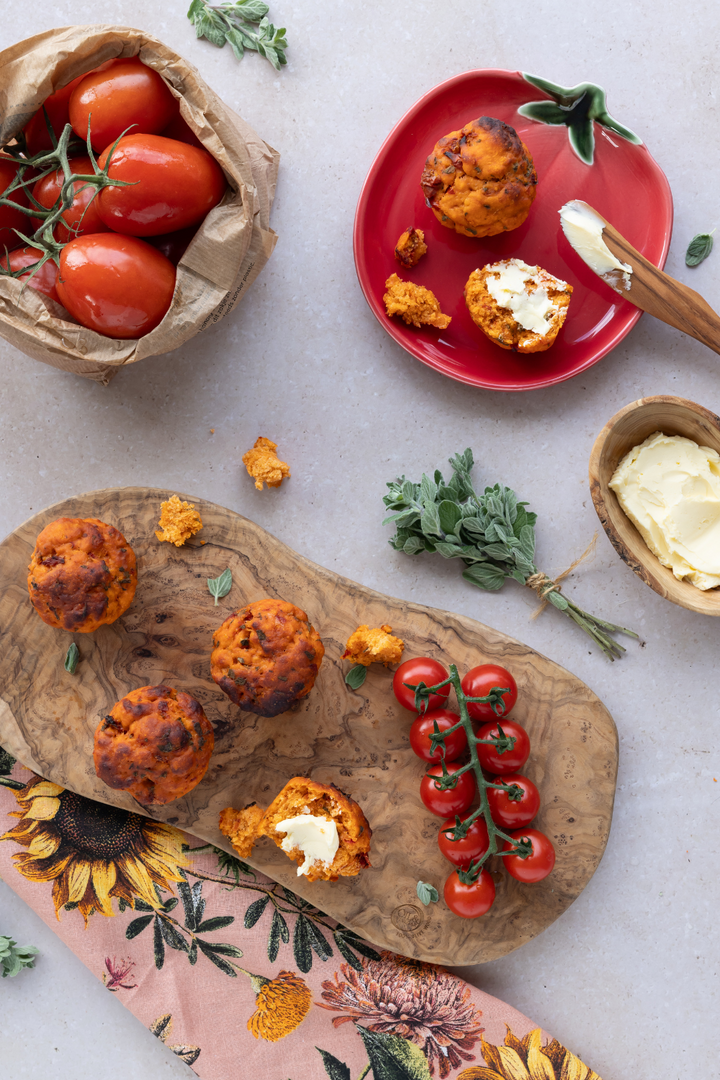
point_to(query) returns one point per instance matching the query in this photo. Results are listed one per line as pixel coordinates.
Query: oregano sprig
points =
(493, 534)
(244, 24)
(14, 957)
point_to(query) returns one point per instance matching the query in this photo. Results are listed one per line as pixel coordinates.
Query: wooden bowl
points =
(630, 426)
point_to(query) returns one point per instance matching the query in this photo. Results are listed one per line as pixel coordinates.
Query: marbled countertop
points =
(628, 976)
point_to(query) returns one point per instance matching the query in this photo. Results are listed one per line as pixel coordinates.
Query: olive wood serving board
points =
(355, 739)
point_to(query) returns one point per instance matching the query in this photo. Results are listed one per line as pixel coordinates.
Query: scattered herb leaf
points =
(220, 586)
(71, 658)
(698, 249)
(14, 957)
(356, 676)
(427, 893)
(244, 24)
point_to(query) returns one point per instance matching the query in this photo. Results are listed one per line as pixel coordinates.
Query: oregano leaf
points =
(356, 676)
(220, 586)
(71, 658)
(698, 249)
(427, 893)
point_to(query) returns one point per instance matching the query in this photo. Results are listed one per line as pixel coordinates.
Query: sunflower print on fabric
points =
(528, 1059)
(92, 852)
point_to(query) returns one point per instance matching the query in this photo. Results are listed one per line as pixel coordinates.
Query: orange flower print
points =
(282, 1005)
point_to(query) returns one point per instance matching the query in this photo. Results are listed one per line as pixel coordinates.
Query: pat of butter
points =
(669, 487)
(506, 285)
(584, 229)
(316, 837)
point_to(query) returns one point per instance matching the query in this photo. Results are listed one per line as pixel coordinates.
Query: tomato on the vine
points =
(82, 216)
(535, 866)
(37, 136)
(10, 218)
(172, 185)
(479, 681)
(420, 669)
(124, 93)
(447, 801)
(117, 285)
(173, 244)
(462, 852)
(469, 901)
(510, 760)
(423, 727)
(44, 279)
(511, 811)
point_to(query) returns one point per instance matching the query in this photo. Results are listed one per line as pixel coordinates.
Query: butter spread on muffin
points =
(517, 306)
(82, 574)
(411, 247)
(416, 305)
(263, 464)
(178, 521)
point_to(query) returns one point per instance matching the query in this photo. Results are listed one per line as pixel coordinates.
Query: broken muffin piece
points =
(376, 646)
(411, 247)
(517, 306)
(416, 305)
(263, 464)
(178, 521)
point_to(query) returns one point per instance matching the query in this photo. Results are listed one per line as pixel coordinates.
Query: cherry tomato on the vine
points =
(172, 185)
(44, 279)
(82, 216)
(122, 94)
(117, 285)
(423, 727)
(513, 813)
(469, 901)
(535, 866)
(471, 846)
(452, 800)
(479, 681)
(420, 669)
(509, 761)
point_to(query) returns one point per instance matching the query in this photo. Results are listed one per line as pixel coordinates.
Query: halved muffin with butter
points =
(517, 306)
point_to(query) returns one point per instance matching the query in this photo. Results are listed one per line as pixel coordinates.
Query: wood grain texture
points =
(629, 427)
(355, 739)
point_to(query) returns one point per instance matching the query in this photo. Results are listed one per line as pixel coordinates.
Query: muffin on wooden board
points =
(155, 743)
(82, 574)
(517, 306)
(480, 180)
(266, 656)
(298, 798)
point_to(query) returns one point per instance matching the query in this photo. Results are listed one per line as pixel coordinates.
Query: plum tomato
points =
(122, 94)
(173, 185)
(173, 244)
(513, 812)
(179, 129)
(479, 681)
(471, 846)
(448, 801)
(82, 216)
(37, 136)
(420, 669)
(535, 866)
(44, 280)
(509, 761)
(424, 725)
(10, 218)
(469, 901)
(117, 285)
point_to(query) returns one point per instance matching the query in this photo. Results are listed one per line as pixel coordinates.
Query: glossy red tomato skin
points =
(82, 217)
(117, 285)
(11, 219)
(471, 846)
(506, 812)
(511, 760)
(479, 681)
(452, 801)
(538, 864)
(37, 136)
(44, 279)
(469, 901)
(454, 746)
(174, 185)
(420, 669)
(126, 92)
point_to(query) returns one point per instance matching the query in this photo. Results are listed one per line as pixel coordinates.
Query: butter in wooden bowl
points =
(669, 487)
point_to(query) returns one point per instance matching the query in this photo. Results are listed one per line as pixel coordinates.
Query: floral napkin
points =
(224, 965)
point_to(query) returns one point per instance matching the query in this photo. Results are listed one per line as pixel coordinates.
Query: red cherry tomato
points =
(471, 846)
(450, 801)
(423, 727)
(479, 681)
(37, 136)
(420, 669)
(117, 285)
(509, 761)
(10, 218)
(44, 279)
(125, 93)
(173, 244)
(469, 901)
(535, 866)
(173, 185)
(82, 216)
(515, 813)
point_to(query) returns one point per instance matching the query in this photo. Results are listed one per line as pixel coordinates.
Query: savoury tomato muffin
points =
(480, 180)
(517, 306)
(82, 574)
(155, 743)
(300, 798)
(266, 656)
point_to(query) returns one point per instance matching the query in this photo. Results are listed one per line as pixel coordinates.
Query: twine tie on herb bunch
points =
(543, 585)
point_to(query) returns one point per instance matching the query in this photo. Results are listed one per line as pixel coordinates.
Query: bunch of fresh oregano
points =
(14, 957)
(493, 534)
(243, 24)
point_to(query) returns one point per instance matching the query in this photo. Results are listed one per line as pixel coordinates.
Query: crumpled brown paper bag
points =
(227, 253)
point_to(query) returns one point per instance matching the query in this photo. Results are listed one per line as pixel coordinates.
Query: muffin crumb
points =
(263, 464)
(416, 305)
(178, 521)
(411, 247)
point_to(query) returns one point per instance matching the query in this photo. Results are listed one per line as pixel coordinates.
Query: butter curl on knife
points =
(584, 228)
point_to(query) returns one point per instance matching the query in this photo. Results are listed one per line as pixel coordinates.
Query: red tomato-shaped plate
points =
(624, 184)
